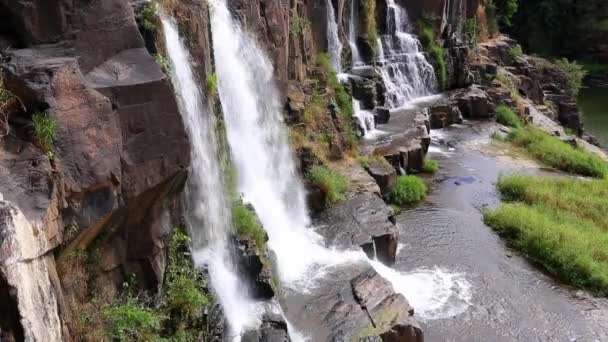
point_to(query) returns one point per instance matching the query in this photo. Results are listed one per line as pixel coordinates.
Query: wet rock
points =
(383, 173)
(272, 329)
(363, 220)
(364, 90)
(475, 103)
(444, 115)
(254, 268)
(382, 115)
(296, 101)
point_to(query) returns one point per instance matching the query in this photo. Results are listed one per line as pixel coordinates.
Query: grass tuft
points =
(560, 223)
(331, 182)
(430, 166)
(45, 128)
(407, 190)
(507, 117)
(246, 223)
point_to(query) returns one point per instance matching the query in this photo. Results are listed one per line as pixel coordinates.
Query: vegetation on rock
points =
(575, 73)
(246, 223)
(332, 183)
(556, 153)
(407, 190)
(297, 24)
(368, 9)
(430, 166)
(45, 128)
(429, 42)
(559, 223)
(146, 17)
(507, 117)
(211, 85)
(164, 63)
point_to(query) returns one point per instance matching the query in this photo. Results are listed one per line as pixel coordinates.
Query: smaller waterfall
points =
(365, 119)
(405, 71)
(334, 45)
(208, 208)
(352, 34)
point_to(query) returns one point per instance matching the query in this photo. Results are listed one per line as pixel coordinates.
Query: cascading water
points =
(208, 214)
(365, 119)
(405, 71)
(267, 176)
(334, 45)
(352, 34)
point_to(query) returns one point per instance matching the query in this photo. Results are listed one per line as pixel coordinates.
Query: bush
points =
(45, 128)
(574, 72)
(333, 184)
(246, 223)
(164, 63)
(553, 152)
(298, 24)
(472, 32)
(212, 84)
(430, 166)
(131, 321)
(560, 223)
(507, 117)
(146, 16)
(515, 52)
(437, 52)
(407, 190)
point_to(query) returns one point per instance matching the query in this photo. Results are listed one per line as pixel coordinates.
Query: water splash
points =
(208, 215)
(405, 71)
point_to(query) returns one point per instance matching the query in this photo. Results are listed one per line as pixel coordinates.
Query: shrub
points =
(45, 128)
(130, 321)
(515, 52)
(333, 184)
(430, 166)
(507, 117)
(437, 52)
(472, 33)
(560, 223)
(164, 63)
(574, 72)
(505, 10)
(146, 16)
(246, 223)
(555, 153)
(407, 190)
(298, 24)
(212, 84)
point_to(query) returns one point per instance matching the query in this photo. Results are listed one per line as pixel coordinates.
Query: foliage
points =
(430, 166)
(164, 63)
(298, 24)
(246, 223)
(515, 52)
(146, 16)
(560, 223)
(553, 152)
(505, 10)
(574, 72)
(472, 32)
(507, 117)
(436, 51)
(212, 84)
(365, 161)
(332, 183)
(131, 321)
(368, 8)
(45, 128)
(407, 190)
(6, 98)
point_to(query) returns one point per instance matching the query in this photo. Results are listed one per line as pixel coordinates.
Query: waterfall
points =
(207, 206)
(334, 45)
(405, 71)
(267, 176)
(365, 119)
(352, 34)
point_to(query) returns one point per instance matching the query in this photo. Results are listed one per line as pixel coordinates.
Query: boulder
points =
(383, 173)
(382, 115)
(364, 90)
(254, 268)
(475, 103)
(444, 115)
(272, 329)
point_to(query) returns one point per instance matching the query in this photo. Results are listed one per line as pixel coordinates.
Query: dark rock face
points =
(384, 174)
(254, 269)
(272, 329)
(474, 103)
(443, 115)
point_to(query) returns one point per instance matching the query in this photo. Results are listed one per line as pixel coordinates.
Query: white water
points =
(334, 45)
(365, 120)
(405, 71)
(267, 176)
(208, 214)
(352, 34)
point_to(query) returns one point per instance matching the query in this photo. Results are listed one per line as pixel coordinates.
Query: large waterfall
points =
(334, 45)
(208, 208)
(405, 71)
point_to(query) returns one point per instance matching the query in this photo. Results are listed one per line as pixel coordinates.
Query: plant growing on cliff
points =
(574, 72)
(431, 46)
(131, 321)
(146, 16)
(407, 190)
(472, 32)
(212, 84)
(330, 182)
(368, 8)
(297, 24)
(246, 223)
(163, 62)
(45, 128)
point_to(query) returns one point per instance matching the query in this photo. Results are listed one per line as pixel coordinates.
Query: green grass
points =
(555, 153)
(507, 117)
(407, 190)
(45, 128)
(430, 166)
(332, 183)
(246, 223)
(131, 321)
(559, 223)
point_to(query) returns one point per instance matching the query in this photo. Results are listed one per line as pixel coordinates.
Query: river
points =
(511, 298)
(594, 102)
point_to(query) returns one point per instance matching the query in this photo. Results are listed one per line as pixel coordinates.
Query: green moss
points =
(407, 190)
(553, 152)
(45, 128)
(298, 24)
(560, 223)
(246, 223)
(429, 42)
(507, 117)
(368, 9)
(212, 84)
(332, 183)
(430, 166)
